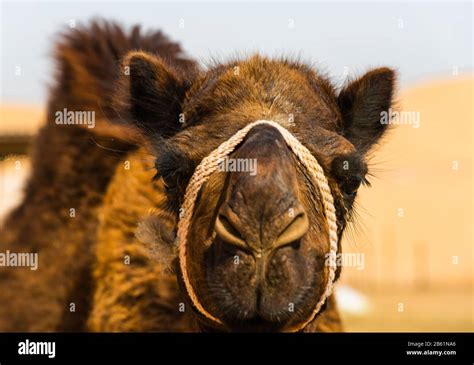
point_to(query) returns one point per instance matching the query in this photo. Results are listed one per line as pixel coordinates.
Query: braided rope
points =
(210, 164)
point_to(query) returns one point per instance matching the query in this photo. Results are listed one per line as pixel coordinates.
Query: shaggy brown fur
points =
(71, 168)
(134, 292)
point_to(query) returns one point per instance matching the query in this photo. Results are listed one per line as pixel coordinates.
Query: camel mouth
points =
(261, 292)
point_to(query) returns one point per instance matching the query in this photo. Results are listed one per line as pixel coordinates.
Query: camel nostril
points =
(295, 230)
(227, 232)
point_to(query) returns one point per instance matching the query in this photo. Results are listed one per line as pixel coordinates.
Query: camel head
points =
(258, 238)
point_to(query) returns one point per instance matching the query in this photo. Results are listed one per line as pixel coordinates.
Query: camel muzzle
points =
(209, 165)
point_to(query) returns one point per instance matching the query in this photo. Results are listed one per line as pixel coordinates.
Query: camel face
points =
(265, 267)
(258, 239)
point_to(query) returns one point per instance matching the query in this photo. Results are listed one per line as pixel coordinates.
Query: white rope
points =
(210, 164)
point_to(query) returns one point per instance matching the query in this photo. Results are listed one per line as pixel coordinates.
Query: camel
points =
(258, 241)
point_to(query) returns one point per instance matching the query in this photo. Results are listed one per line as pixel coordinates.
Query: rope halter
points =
(210, 164)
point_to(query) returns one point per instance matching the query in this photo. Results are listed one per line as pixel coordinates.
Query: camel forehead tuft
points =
(259, 86)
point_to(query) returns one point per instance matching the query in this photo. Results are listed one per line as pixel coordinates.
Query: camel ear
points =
(364, 105)
(150, 94)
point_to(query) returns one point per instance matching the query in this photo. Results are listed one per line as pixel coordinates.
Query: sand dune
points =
(18, 119)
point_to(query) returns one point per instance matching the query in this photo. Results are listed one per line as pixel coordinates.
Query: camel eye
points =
(169, 180)
(172, 166)
(169, 188)
(351, 185)
(350, 172)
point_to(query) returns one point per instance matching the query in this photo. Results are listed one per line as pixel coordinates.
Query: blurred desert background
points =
(414, 225)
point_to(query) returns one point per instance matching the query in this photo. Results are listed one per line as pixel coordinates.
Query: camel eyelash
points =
(156, 177)
(365, 181)
(170, 181)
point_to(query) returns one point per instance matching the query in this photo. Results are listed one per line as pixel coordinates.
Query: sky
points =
(422, 40)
